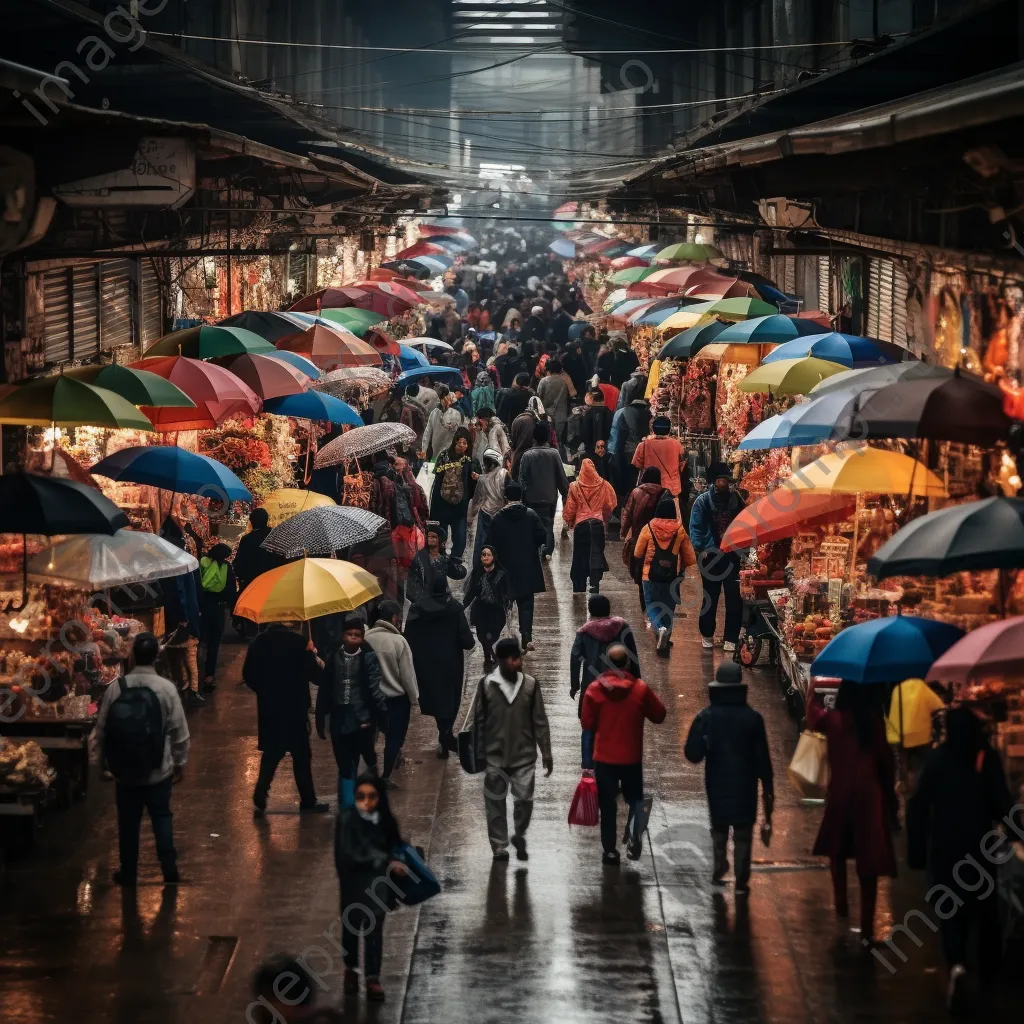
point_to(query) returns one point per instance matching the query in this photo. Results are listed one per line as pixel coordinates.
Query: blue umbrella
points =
(303, 321)
(173, 469)
(771, 330)
(887, 650)
(409, 358)
(301, 363)
(662, 311)
(847, 349)
(644, 252)
(564, 248)
(822, 419)
(446, 374)
(577, 329)
(314, 405)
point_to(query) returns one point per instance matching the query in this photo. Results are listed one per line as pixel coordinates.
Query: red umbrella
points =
(681, 277)
(269, 378)
(420, 249)
(382, 342)
(783, 513)
(330, 349)
(649, 288)
(217, 392)
(330, 298)
(383, 274)
(598, 245)
(715, 286)
(627, 262)
(817, 316)
(396, 289)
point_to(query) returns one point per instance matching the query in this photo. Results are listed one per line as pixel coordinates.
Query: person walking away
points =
(439, 636)
(535, 326)
(589, 656)
(454, 481)
(218, 591)
(487, 599)
(575, 368)
(517, 536)
(490, 434)
(961, 797)
(634, 387)
(664, 553)
(629, 428)
(397, 681)
(619, 361)
(366, 838)
(860, 807)
(483, 392)
(432, 562)
(488, 498)
(183, 622)
(729, 737)
(665, 453)
(637, 512)
(509, 365)
(542, 478)
(615, 707)
(587, 509)
(351, 701)
(251, 559)
(597, 421)
(553, 391)
(521, 432)
(510, 725)
(512, 402)
(142, 732)
(610, 391)
(279, 666)
(712, 512)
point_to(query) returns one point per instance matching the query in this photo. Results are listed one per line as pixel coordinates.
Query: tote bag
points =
(583, 810)
(808, 770)
(421, 883)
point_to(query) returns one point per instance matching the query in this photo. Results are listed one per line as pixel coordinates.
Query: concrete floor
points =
(560, 939)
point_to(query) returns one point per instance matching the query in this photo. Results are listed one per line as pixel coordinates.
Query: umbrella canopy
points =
(644, 251)
(627, 307)
(420, 267)
(140, 387)
(682, 277)
(886, 650)
(694, 252)
(96, 561)
(218, 394)
(393, 288)
(305, 590)
(448, 233)
(993, 650)
(208, 342)
(775, 329)
(66, 402)
(330, 298)
(847, 349)
(636, 271)
(789, 376)
(563, 247)
(381, 342)
(43, 504)
(314, 405)
(649, 288)
(173, 469)
(329, 349)
(293, 359)
(410, 359)
(657, 311)
(689, 342)
(364, 441)
(419, 249)
(323, 530)
(436, 298)
(286, 502)
(428, 343)
(613, 298)
(268, 377)
(725, 309)
(875, 377)
(749, 355)
(976, 536)
(269, 326)
(351, 381)
(720, 288)
(449, 375)
(628, 262)
(868, 471)
(330, 318)
(358, 321)
(960, 408)
(783, 513)
(826, 418)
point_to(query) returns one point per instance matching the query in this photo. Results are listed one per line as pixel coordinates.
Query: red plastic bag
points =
(406, 541)
(583, 809)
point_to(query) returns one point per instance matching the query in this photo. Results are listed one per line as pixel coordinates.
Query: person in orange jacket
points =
(587, 509)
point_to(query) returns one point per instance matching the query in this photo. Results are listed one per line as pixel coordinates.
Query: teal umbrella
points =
(210, 341)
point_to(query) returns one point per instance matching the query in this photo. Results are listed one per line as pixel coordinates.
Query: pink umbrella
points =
(993, 650)
(627, 262)
(269, 378)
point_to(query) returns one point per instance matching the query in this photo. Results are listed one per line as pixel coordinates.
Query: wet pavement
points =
(561, 938)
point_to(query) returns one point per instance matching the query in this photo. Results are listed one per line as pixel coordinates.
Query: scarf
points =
(508, 688)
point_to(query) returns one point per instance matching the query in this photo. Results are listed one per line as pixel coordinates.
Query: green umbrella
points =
(62, 401)
(210, 341)
(358, 321)
(632, 274)
(140, 387)
(693, 252)
(740, 308)
(689, 342)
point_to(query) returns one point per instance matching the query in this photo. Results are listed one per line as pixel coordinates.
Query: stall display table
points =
(66, 744)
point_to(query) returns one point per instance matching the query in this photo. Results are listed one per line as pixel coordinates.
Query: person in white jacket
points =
(398, 680)
(441, 426)
(490, 434)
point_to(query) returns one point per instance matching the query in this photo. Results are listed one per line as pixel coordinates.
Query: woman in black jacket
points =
(454, 481)
(366, 842)
(488, 594)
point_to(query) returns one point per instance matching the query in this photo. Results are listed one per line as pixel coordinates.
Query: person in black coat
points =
(279, 667)
(574, 364)
(961, 796)
(487, 599)
(730, 738)
(252, 560)
(432, 562)
(517, 535)
(619, 362)
(439, 635)
(597, 422)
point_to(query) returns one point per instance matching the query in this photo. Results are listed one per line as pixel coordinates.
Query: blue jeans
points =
(587, 748)
(661, 605)
(131, 802)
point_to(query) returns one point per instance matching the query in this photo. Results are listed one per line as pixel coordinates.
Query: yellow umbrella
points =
(790, 376)
(286, 502)
(868, 471)
(737, 352)
(910, 713)
(306, 589)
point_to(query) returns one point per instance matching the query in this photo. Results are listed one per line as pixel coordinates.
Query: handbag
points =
(808, 770)
(406, 542)
(355, 488)
(470, 741)
(425, 478)
(420, 883)
(583, 810)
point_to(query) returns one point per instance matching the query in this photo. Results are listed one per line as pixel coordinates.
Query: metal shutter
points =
(57, 315)
(825, 284)
(887, 301)
(874, 293)
(115, 304)
(298, 272)
(151, 303)
(899, 306)
(85, 300)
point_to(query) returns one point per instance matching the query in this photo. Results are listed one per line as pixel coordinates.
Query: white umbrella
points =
(96, 561)
(427, 343)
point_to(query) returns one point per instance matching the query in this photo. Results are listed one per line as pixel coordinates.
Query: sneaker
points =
(662, 646)
(317, 808)
(196, 699)
(374, 991)
(635, 848)
(350, 986)
(501, 853)
(956, 995)
(519, 842)
(729, 647)
(610, 857)
(442, 752)
(707, 643)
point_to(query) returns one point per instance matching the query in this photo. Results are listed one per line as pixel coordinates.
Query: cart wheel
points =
(749, 651)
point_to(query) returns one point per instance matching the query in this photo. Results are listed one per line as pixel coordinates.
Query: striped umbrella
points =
(323, 530)
(362, 441)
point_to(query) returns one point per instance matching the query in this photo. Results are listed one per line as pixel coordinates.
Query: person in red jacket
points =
(615, 707)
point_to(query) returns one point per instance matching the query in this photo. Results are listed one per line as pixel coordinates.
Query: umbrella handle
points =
(24, 576)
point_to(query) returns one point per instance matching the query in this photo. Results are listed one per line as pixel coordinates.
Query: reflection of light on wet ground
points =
(83, 898)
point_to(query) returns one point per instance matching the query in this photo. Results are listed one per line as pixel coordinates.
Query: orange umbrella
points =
(268, 377)
(383, 274)
(329, 349)
(421, 249)
(651, 289)
(719, 288)
(783, 513)
(817, 316)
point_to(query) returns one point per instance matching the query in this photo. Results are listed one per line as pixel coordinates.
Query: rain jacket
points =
(590, 497)
(439, 636)
(593, 638)
(661, 453)
(510, 733)
(554, 393)
(394, 655)
(615, 707)
(663, 531)
(278, 669)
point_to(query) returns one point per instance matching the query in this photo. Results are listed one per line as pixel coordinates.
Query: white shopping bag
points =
(808, 770)
(425, 478)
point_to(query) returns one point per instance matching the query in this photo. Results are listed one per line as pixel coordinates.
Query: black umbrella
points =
(268, 325)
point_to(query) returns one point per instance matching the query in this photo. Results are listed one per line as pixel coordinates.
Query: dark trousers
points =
(956, 933)
(587, 555)
(718, 573)
(868, 896)
(302, 768)
(525, 606)
(546, 511)
(349, 747)
(457, 531)
(483, 524)
(742, 848)
(399, 709)
(211, 629)
(361, 917)
(444, 732)
(131, 802)
(609, 777)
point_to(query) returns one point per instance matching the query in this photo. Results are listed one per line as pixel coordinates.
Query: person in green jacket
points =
(217, 591)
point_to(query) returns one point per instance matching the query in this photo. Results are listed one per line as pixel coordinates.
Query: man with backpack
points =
(629, 428)
(142, 733)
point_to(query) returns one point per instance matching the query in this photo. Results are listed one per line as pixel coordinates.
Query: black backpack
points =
(664, 562)
(403, 507)
(133, 743)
